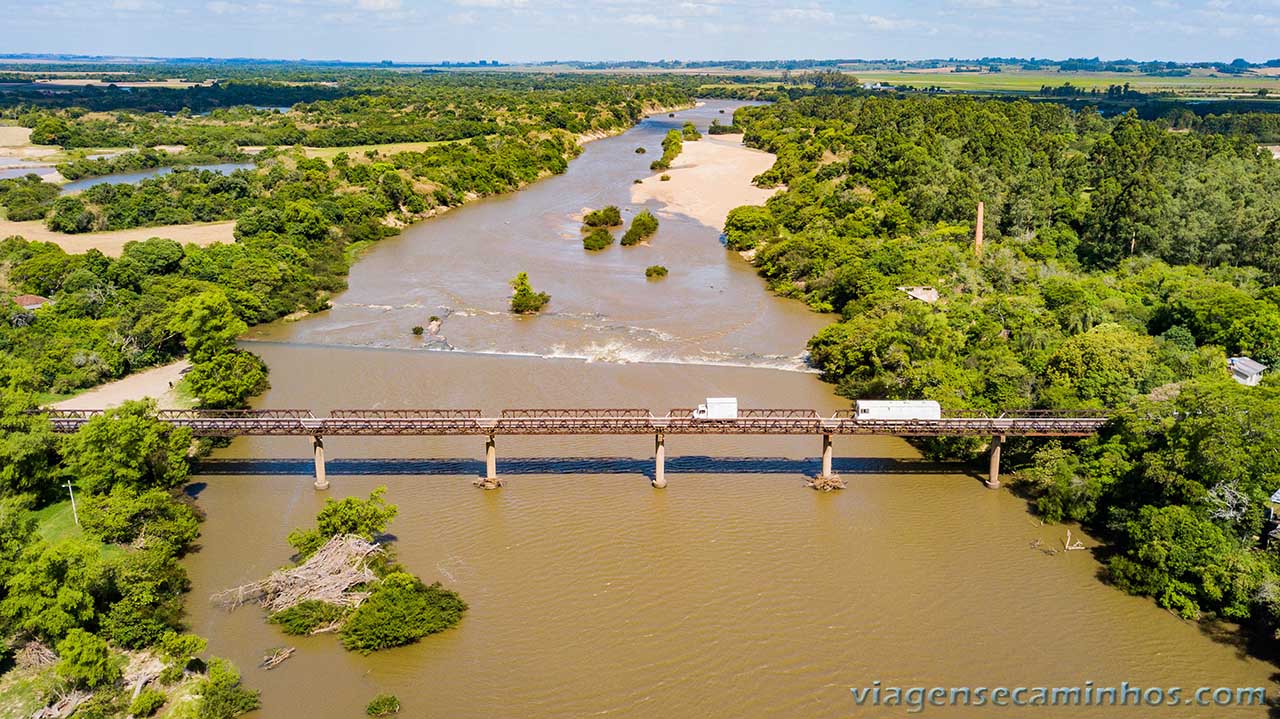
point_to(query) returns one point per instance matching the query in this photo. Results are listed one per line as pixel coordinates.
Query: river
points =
(131, 178)
(734, 592)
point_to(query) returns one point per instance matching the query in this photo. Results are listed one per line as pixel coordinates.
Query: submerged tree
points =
(524, 299)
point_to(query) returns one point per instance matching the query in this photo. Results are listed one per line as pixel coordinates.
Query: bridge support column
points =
(659, 461)
(317, 448)
(826, 455)
(827, 481)
(490, 480)
(993, 472)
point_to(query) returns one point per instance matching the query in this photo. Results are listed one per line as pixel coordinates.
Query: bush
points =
(86, 660)
(654, 272)
(383, 705)
(221, 695)
(643, 226)
(604, 217)
(640, 150)
(417, 330)
(228, 379)
(307, 616)
(597, 239)
(147, 702)
(665, 178)
(401, 611)
(525, 299)
(689, 132)
(351, 515)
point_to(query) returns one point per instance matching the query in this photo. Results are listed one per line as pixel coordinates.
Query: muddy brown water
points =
(734, 592)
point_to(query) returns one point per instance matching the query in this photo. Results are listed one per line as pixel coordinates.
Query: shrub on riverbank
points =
(672, 144)
(597, 239)
(524, 299)
(643, 226)
(690, 132)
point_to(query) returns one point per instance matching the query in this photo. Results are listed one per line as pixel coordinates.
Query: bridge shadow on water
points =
(691, 464)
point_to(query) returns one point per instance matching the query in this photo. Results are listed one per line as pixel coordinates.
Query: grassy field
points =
(1013, 81)
(57, 522)
(329, 153)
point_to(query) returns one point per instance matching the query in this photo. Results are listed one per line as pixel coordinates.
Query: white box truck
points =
(717, 408)
(897, 409)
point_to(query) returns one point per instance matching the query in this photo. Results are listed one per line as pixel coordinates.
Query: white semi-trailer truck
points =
(717, 408)
(898, 409)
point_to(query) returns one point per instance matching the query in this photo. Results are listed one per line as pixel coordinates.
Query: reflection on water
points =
(735, 592)
(130, 178)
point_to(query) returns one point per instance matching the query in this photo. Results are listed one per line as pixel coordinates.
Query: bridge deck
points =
(393, 422)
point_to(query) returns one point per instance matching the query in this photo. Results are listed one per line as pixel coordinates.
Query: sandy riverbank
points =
(158, 382)
(112, 243)
(1275, 150)
(710, 177)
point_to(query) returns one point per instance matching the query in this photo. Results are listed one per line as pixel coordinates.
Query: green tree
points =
(643, 226)
(70, 216)
(209, 324)
(50, 593)
(747, 226)
(85, 660)
(28, 448)
(367, 518)
(524, 299)
(400, 611)
(221, 695)
(228, 379)
(597, 239)
(128, 445)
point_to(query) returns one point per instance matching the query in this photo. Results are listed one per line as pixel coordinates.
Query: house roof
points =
(1246, 366)
(31, 300)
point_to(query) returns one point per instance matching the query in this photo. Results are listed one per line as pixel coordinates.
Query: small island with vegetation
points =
(344, 581)
(655, 272)
(672, 144)
(524, 299)
(643, 226)
(597, 239)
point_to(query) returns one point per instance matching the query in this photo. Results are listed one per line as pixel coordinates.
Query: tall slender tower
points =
(977, 232)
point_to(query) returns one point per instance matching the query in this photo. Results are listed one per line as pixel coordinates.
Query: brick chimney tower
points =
(977, 233)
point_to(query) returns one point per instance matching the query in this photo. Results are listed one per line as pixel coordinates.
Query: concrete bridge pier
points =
(993, 471)
(659, 461)
(490, 480)
(826, 455)
(317, 449)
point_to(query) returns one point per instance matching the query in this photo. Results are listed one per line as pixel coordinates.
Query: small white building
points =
(1246, 371)
(924, 294)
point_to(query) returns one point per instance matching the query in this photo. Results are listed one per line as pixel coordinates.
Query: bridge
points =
(559, 421)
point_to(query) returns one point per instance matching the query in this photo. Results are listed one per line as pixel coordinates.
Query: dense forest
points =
(1121, 264)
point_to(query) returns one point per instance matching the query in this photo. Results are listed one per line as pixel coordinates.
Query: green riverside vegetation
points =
(1121, 265)
(524, 299)
(672, 144)
(643, 226)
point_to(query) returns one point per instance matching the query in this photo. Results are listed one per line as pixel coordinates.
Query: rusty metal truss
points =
(559, 421)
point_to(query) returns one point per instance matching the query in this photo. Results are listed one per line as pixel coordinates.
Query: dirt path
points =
(112, 243)
(710, 177)
(156, 382)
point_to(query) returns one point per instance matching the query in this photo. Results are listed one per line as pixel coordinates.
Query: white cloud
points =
(378, 5)
(802, 14)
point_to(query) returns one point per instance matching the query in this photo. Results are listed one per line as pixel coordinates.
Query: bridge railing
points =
(406, 414)
(216, 414)
(587, 413)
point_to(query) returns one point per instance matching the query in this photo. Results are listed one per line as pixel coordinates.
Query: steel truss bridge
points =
(558, 421)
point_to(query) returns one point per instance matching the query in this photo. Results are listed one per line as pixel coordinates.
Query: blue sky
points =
(513, 30)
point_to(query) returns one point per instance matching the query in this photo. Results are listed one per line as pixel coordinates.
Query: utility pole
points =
(74, 512)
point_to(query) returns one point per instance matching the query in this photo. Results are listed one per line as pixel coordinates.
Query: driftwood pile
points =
(35, 654)
(65, 705)
(342, 563)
